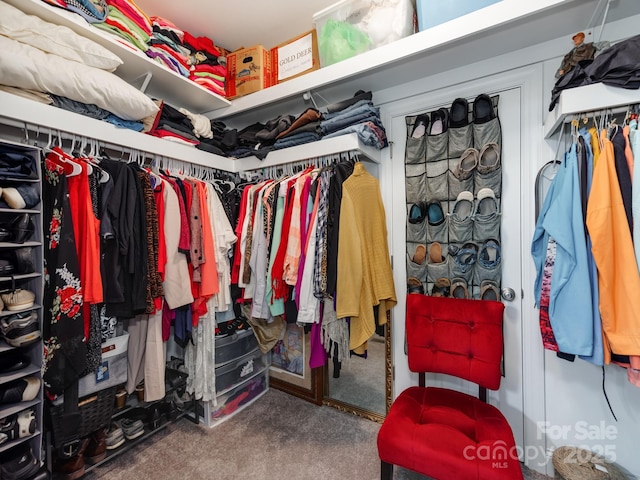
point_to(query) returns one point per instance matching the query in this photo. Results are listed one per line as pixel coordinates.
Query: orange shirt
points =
(618, 278)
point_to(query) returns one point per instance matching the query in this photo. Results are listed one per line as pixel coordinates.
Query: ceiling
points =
(242, 23)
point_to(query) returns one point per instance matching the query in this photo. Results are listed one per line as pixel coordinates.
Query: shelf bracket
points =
(144, 80)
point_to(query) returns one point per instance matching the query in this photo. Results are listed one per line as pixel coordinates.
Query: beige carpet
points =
(279, 437)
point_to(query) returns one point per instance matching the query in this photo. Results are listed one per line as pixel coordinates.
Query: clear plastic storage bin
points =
(234, 346)
(234, 373)
(350, 27)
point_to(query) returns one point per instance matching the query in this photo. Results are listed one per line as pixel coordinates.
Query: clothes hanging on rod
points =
(290, 236)
(583, 248)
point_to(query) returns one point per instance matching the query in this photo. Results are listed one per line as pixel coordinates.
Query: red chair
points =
(438, 432)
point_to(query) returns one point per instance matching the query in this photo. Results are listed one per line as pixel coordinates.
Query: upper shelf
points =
(597, 96)
(166, 84)
(33, 113)
(505, 26)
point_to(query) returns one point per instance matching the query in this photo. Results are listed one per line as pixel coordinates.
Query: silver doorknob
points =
(508, 294)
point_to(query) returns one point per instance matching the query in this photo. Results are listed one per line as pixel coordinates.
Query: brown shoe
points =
(71, 468)
(97, 449)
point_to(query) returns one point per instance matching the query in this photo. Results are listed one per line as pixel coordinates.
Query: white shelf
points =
(25, 372)
(19, 276)
(328, 146)
(7, 313)
(34, 113)
(17, 407)
(586, 99)
(6, 446)
(165, 84)
(499, 28)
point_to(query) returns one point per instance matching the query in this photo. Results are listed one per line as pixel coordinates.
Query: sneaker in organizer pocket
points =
(486, 125)
(460, 130)
(18, 299)
(20, 329)
(22, 390)
(437, 263)
(23, 196)
(18, 426)
(461, 218)
(438, 137)
(436, 222)
(486, 218)
(461, 264)
(417, 263)
(489, 265)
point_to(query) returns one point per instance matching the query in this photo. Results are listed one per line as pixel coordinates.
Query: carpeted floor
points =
(277, 437)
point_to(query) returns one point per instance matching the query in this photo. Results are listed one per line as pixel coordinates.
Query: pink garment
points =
(294, 244)
(133, 12)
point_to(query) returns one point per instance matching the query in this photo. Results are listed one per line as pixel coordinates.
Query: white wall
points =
(574, 402)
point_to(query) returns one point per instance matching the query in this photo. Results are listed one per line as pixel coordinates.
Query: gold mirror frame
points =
(388, 367)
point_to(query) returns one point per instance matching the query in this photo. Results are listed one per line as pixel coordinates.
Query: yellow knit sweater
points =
(364, 278)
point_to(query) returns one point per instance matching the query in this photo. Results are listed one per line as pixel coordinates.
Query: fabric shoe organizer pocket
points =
(437, 146)
(437, 185)
(460, 138)
(437, 232)
(415, 180)
(488, 173)
(438, 270)
(415, 150)
(488, 132)
(461, 262)
(461, 172)
(416, 232)
(488, 266)
(414, 269)
(486, 220)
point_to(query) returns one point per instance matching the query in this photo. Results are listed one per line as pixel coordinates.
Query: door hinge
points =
(391, 150)
(393, 372)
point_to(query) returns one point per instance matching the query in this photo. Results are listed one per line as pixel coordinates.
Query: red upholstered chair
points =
(438, 432)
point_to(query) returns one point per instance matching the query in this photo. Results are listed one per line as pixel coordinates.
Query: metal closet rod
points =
(158, 160)
(290, 168)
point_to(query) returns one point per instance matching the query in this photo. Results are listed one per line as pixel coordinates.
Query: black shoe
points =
(482, 109)
(22, 228)
(439, 121)
(25, 260)
(21, 464)
(459, 115)
(421, 126)
(22, 390)
(12, 362)
(20, 329)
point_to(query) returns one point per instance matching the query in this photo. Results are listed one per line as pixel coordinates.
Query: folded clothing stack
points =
(93, 11)
(175, 126)
(127, 21)
(165, 46)
(206, 69)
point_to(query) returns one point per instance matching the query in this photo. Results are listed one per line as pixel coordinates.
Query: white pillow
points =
(27, 67)
(55, 39)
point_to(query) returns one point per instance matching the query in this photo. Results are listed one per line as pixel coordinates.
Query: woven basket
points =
(95, 413)
(571, 463)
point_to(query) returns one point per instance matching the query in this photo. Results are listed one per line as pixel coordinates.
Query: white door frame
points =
(529, 80)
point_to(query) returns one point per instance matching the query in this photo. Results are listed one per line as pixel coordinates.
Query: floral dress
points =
(65, 354)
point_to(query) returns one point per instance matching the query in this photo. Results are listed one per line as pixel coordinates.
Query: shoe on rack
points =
(6, 267)
(18, 426)
(97, 448)
(21, 390)
(72, 467)
(21, 464)
(19, 230)
(441, 287)
(18, 299)
(414, 285)
(22, 196)
(132, 428)
(114, 437)
(25, 260)
(13, 362)
(21, 329)
(439, 121)
(489, 291)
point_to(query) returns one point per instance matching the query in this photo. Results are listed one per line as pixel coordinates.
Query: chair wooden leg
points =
(386, 470)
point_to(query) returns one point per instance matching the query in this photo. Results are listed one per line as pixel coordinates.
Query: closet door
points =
(509, 399)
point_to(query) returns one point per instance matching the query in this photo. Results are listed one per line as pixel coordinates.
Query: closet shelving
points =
(28, 112)
(34, 283)
(588, 98)
(163, 82)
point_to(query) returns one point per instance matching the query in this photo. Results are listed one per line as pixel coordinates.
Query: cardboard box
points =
(295, 57)
(248, 70)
